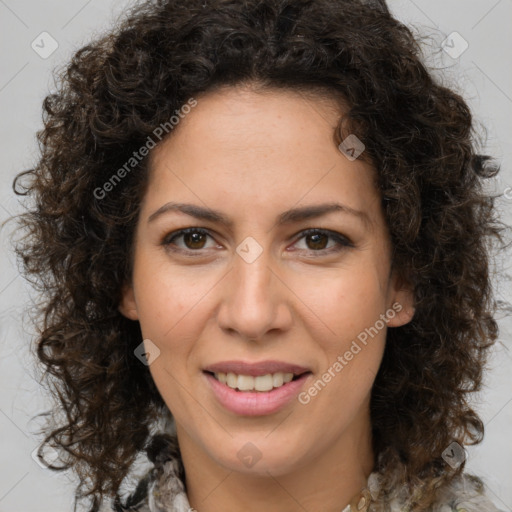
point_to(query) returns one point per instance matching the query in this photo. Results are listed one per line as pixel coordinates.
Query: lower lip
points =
(255, 403)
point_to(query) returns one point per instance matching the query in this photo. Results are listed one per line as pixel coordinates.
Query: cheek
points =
(171, 314)
(169, 298)
(345, 301)
(349, 337)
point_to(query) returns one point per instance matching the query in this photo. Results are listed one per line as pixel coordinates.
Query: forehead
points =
(264, 149)
(247, 119)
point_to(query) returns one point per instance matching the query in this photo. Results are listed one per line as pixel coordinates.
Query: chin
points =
(257, 456)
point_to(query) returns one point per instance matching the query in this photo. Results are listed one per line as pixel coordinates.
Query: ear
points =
(127, 305)
(401, 302)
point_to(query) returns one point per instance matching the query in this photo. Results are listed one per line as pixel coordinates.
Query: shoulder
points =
(160, 490)
(466, 493)
(137, 501)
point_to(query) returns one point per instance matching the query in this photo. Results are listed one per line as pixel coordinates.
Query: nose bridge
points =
(252, 301)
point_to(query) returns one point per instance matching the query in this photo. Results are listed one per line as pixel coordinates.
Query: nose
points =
(255, 301)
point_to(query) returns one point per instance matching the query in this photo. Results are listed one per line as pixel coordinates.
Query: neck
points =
(325, 483)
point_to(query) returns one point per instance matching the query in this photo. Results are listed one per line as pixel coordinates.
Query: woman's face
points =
(247, 292)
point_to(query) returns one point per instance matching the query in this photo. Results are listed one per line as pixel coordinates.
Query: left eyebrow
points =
(291, 216)
(199, 212)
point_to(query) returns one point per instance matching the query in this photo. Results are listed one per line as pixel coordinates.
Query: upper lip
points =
(255, 369)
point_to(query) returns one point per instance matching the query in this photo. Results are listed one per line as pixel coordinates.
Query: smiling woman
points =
(285, 303)
(246, 336)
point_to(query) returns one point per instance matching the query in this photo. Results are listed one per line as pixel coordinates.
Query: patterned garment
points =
(163, 490)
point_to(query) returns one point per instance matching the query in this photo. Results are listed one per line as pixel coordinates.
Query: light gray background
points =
(483, 75)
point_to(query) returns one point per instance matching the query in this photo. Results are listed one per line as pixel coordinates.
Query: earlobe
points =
(127, 306)
(402, 304)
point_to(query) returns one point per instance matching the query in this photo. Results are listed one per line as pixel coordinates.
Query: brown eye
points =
(318, 240)
(194, 239)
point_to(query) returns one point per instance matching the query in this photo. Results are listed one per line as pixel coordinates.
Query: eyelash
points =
(342, 241)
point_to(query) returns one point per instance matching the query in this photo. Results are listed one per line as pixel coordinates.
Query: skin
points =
(252, 155)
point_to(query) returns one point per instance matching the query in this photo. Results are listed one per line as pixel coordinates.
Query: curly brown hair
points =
(419, 136)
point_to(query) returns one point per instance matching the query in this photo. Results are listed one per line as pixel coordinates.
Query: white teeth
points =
(245, 383)
(231, 380)
(263, 382)
(277, 380)
(250, 383)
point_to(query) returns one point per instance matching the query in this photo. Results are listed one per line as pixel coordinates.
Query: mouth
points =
(255, 389)
(261, 383)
